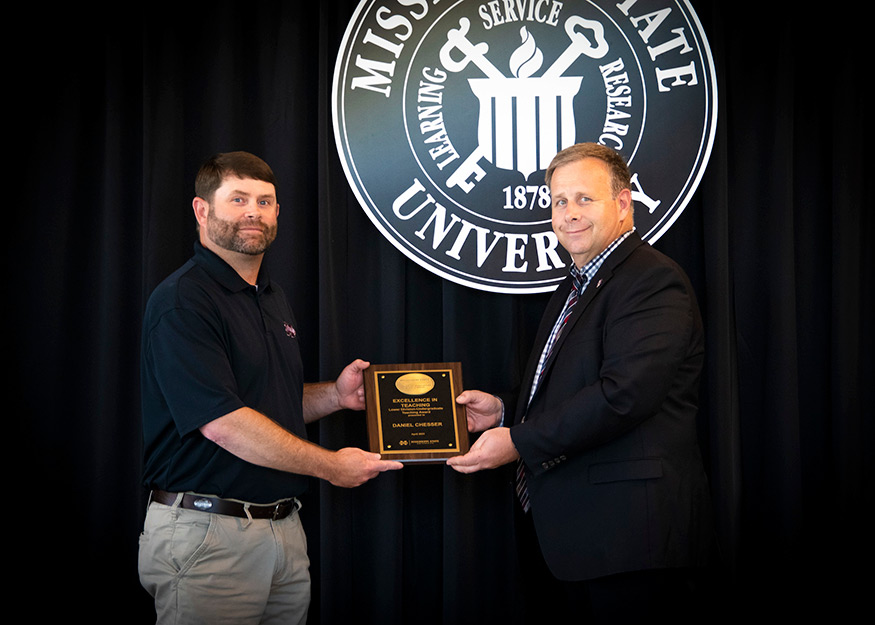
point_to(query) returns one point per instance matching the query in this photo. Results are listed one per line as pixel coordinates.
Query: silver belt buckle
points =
(276, 511)
(202, 503)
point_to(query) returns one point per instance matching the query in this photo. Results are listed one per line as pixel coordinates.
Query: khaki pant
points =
(211, 568)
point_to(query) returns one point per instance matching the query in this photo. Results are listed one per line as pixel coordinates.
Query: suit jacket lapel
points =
(551, 313)
(557, 302)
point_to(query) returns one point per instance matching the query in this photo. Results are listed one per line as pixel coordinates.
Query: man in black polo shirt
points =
(224, 414)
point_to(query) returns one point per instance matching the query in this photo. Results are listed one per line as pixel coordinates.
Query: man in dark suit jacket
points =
(614, 494)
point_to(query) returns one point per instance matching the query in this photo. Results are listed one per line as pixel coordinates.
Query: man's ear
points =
(201, 208)
(625, 200)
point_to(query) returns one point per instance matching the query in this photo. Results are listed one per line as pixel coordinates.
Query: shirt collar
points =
(585, 273)
(224, 273)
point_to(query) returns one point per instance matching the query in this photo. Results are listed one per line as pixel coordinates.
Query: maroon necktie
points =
(521, 490)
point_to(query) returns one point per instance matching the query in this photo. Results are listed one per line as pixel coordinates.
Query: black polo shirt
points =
(212, 343)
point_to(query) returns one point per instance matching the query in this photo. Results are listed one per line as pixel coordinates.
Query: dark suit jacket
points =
(614, 471)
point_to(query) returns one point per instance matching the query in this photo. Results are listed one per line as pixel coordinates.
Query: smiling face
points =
(586, 215)
(241, 217)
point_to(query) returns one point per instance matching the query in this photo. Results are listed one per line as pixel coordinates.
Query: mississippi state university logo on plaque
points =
(447, 114)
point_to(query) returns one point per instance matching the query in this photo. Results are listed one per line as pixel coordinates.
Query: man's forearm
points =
(320, 399)
(253, 437)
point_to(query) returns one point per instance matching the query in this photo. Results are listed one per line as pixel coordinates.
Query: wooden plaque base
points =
(412, 412)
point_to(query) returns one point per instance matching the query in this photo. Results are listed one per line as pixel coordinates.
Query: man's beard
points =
(226, 234)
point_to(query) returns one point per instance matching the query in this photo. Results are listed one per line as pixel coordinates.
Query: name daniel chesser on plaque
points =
(412, 412)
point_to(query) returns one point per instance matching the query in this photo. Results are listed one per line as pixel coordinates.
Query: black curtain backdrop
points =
(114, 110)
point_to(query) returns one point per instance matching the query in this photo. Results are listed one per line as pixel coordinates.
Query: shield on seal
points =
(524, 122)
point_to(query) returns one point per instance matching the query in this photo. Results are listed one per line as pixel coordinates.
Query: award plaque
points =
(412, 411)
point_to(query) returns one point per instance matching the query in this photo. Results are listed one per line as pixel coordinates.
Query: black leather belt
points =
(275, 512)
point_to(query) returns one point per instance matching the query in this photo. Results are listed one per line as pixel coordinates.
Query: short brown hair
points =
(620, 176)
(220, 166)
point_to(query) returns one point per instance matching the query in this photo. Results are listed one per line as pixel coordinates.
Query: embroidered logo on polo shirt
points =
(290, 331)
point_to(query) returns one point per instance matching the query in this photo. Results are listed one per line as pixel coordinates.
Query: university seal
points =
(446, 114)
